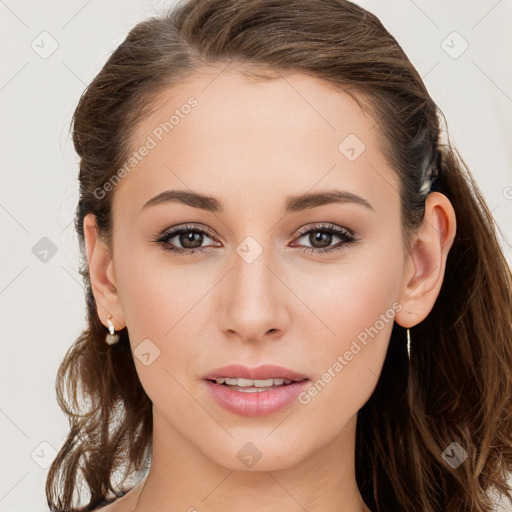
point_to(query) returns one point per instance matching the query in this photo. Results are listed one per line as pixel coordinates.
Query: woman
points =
(296, 297)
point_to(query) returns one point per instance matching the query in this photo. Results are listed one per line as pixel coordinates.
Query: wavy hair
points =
(458, 384)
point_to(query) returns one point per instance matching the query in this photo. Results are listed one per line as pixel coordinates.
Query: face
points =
(308, 286)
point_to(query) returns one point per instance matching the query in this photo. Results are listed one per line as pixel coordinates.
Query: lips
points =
(254, 392)
(263, 372)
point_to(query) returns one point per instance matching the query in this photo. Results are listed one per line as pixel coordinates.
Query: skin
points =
(250, 144)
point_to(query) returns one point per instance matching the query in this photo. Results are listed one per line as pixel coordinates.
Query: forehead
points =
(286, 135)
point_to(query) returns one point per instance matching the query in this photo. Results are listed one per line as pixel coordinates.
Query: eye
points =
(189, 236)
(320, 236)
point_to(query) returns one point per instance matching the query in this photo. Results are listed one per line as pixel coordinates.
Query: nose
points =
(254, 300)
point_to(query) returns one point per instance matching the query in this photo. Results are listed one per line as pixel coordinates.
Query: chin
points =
(255, 453)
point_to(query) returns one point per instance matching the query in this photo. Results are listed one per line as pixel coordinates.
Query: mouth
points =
(255, 392)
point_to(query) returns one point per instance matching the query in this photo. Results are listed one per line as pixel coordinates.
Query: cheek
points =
(155, 291)
(163, 304)
(356, 305)
(350, 297)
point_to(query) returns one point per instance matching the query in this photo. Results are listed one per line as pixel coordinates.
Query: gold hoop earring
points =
(408, 344)
(111, 338)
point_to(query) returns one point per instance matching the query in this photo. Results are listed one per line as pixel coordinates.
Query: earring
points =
(408, 344)
(111, 337)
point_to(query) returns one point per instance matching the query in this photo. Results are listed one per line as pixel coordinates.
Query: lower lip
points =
(258, 403)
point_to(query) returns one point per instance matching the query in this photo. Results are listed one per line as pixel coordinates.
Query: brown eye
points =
(321, 238)
(190, 238)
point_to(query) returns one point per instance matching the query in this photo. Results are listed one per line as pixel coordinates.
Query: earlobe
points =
(101, 273)
(426, 265)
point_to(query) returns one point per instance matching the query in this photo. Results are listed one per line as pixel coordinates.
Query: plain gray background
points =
(41, 294)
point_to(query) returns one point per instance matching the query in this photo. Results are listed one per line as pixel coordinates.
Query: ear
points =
(426, 264)
(101, 272)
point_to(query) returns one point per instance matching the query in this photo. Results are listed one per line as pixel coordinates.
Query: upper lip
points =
(263, 372)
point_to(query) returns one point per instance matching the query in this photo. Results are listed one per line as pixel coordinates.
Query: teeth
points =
(252, 383)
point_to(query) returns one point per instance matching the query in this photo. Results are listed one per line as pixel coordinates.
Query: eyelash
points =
(347, 236)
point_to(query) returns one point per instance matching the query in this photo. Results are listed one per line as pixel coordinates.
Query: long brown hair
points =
(458, 386)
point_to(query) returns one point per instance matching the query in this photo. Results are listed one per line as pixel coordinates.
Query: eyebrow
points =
(293, 204)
